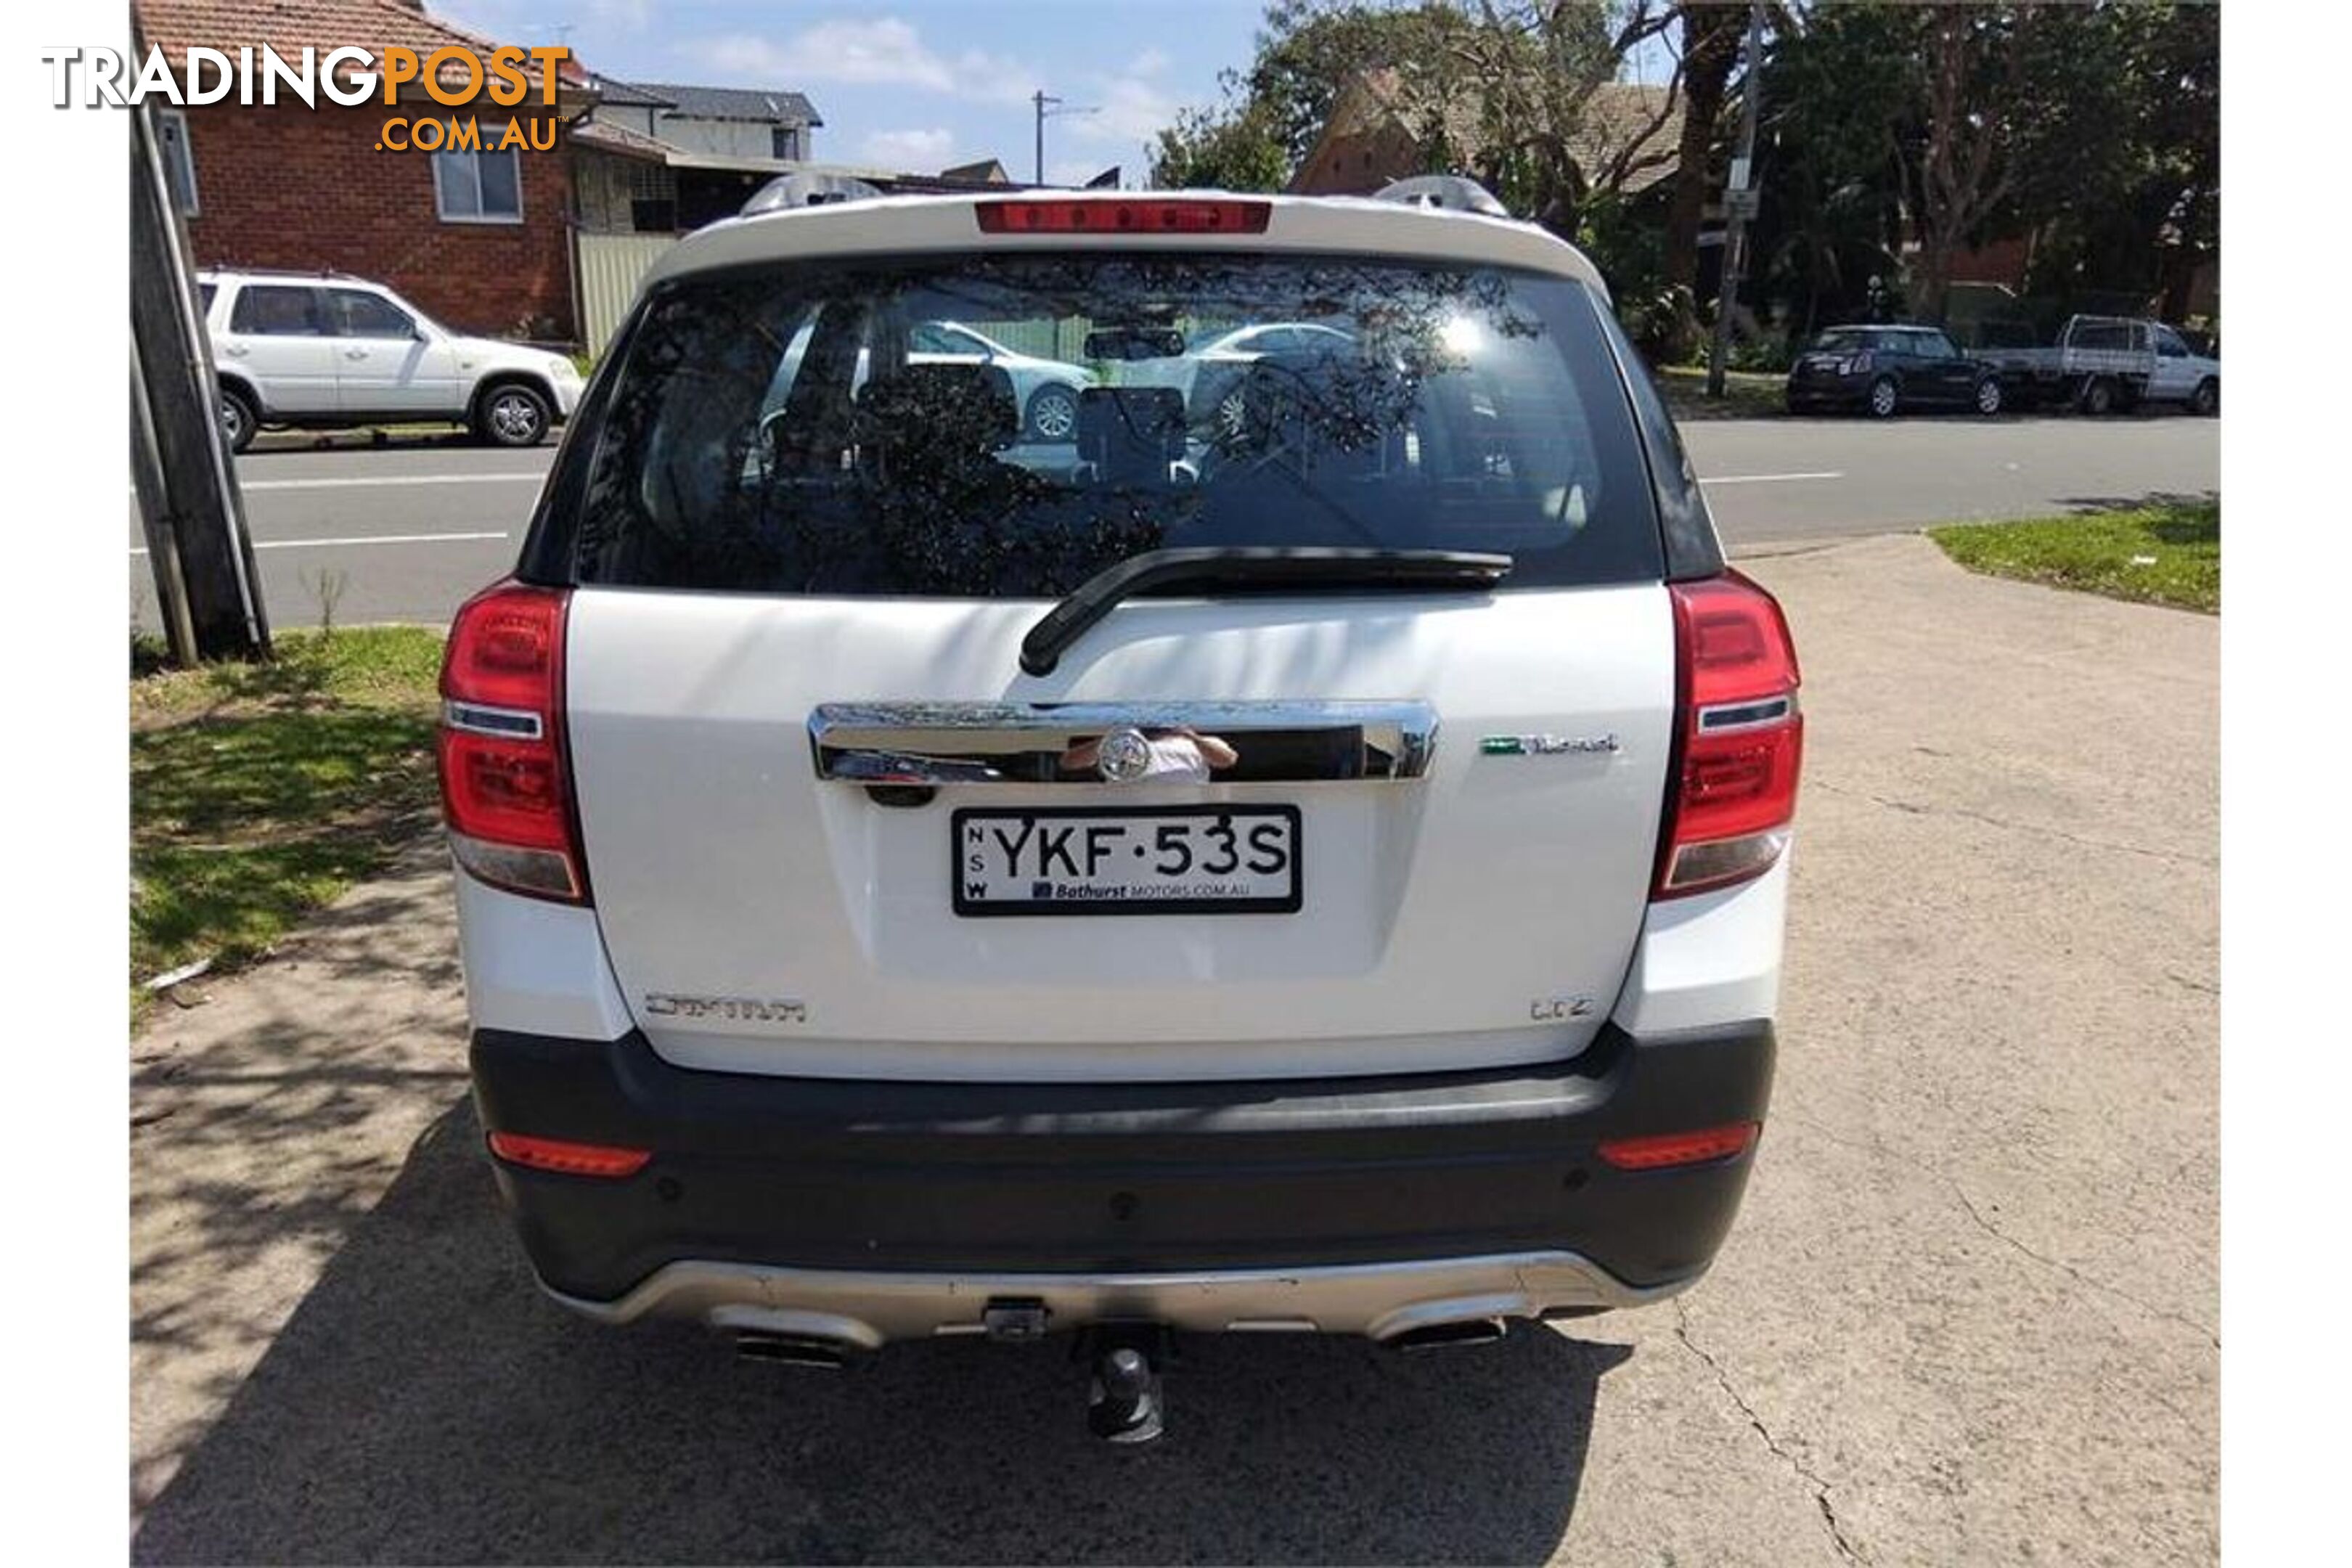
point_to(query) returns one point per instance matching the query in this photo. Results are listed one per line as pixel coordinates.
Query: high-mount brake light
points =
(506, 784)
(1739, 737)
(1124, 215)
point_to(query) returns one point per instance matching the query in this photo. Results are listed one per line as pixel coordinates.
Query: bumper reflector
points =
(568, 1158)
(1665, 1149)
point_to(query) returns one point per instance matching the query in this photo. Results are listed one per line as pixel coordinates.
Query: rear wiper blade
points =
(1251, 567)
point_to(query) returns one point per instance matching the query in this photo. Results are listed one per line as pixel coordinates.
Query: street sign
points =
(1742, 205)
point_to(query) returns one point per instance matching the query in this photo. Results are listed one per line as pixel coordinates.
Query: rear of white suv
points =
(1319, 870)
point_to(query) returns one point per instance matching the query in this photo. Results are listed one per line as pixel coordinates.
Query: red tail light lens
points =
(566, 1158)
(1143, 215)
(1668, 1148)
(505, 785)
(1742, 739)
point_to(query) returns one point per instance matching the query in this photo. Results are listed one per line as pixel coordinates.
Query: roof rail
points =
(1452, 192)
(808, 188)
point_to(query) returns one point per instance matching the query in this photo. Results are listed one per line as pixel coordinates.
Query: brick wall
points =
(292, 187)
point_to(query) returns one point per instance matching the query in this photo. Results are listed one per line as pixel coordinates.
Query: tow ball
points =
(1125, 1402)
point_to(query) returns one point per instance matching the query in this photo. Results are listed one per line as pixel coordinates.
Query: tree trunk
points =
(1711, 34)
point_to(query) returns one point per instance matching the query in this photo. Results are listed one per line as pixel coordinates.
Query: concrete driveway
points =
(1968, 1315)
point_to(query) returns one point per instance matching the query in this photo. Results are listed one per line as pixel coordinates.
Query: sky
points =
(918, 85)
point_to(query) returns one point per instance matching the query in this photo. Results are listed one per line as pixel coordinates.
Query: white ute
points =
(1316, 864)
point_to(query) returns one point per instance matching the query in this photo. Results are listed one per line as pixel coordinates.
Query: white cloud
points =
(884, 51)
(1150, 62)
(909, 151)
(1131, 110)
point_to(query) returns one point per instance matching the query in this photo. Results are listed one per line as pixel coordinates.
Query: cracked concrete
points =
(1966, 1316)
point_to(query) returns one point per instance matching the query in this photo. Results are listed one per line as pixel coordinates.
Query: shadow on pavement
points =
(425, 1404)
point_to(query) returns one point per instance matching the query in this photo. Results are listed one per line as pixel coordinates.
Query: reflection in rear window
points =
(1009, 425)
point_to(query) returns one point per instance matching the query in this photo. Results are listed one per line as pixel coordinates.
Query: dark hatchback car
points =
(1887, 370)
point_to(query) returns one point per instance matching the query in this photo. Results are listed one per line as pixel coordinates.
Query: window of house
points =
(276, 310)
(479, 187)
(784, 140)
(179, 164)
(653, 199)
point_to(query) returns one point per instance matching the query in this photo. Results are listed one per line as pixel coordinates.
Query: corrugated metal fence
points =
(611, 267)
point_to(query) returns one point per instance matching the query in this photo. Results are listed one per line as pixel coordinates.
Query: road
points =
(409, 530)
(1968, 1314)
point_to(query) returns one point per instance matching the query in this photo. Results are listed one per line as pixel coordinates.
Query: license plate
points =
(1114, 860)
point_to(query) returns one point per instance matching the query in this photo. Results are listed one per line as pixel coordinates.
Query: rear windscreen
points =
(1010, 424)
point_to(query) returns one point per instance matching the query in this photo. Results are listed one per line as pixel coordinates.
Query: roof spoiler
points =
(808, 188)
(1450, 193)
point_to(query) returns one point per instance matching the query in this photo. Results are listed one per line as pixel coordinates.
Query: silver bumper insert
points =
(1381, 1300)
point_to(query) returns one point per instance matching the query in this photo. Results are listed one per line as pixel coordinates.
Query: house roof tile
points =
(290, 26)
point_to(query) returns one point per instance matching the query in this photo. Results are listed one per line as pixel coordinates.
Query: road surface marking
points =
(359, 539)
(1765, 479)
(392, 480)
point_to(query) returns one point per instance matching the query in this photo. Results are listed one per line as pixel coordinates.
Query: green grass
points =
(2167, 552)
(1747, 395)
(260, 792)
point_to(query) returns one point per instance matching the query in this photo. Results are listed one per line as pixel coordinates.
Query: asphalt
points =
(405, 532)
(1968, 1314)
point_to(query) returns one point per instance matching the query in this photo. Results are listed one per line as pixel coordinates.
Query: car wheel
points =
(1053, 415)
(1988, 397)
(2206, 398)
(238, 420)
(1885, 397)
(2099, 396)
(512, 415)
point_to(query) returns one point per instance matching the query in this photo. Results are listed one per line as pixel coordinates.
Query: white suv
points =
(1319, 871)
(323, 351)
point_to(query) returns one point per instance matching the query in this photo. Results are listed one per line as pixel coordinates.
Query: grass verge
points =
(1747, 395)
(2167, 552)
(260, 792)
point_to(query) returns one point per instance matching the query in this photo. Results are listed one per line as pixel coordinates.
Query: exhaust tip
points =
(1443, 1336)
(792, 1350)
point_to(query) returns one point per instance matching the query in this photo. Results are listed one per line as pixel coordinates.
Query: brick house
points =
(480, 241)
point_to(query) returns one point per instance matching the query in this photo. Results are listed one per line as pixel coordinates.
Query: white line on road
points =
(392, 480)
(1765, 479)
(359, 539)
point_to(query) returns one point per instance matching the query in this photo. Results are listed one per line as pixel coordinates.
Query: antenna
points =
(1041, 99)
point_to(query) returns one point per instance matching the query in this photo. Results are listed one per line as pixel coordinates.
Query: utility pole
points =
(1739, 203)
(189, 502)
(1040, 99)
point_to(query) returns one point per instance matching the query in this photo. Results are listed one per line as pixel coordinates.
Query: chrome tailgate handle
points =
(1093, 743)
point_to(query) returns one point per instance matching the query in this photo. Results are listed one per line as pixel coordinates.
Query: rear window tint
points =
(1008, 425)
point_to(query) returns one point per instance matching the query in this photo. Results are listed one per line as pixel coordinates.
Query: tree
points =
(1229, 149)
(1711, 35)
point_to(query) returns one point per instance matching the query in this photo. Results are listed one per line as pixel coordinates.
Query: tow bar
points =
(1124, 1401)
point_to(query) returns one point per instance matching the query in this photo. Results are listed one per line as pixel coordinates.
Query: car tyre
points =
(1052, 415)
(512, 414)
(239, 419)
(2099, 396)
(1989, 399)
(1884, 398)
(2206, 398)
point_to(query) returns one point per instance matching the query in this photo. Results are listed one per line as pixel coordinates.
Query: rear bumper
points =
(871, 1211)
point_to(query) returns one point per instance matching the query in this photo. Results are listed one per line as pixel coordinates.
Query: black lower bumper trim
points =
(1119, 1178)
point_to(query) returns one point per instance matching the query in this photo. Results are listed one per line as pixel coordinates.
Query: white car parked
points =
(1045, 391)
(321, 351)
(1323, 874)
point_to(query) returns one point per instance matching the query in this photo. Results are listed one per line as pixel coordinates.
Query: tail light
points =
(506, 788)
(1740, 738)
(1137, 215)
